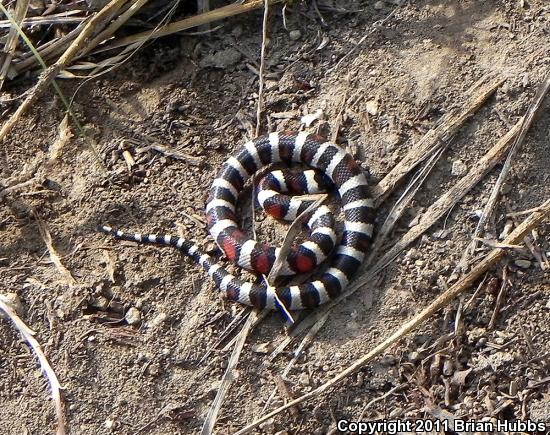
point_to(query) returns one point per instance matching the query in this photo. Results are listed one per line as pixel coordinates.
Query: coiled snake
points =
(336, 167)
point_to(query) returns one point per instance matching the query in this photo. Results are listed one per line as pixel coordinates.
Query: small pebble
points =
(372, 107)
(13, 301)
(133, 316)
(294, 35)
(303, 379)
(267, 426)
(158, 320)
(448, 368)
(524, 264)
(414, 356)
(458, 168)
(506, 189)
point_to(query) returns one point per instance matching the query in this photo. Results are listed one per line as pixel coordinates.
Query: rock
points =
(458, 168)
(133, 316)
(158, 320)
(391, 140)
(303, 379)
(267, 426)
(505, 188)
(294, 35)
(524, 264)
(414, 356)
(221, 59)
(379, 5)
(495, 361)
(12, 301)
(448, 367)
(372, 105)
(101, 303)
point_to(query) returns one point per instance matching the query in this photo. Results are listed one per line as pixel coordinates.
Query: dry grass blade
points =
(262, 68)
(440, 302)
(171, 152)
(51, 72)
(54, 256)
(12, 39)
(237, 319)
(228, 376)
(46, 51)
(527, 121)
(27, 334)
(114, 26)
(402, 203)
(68, 17)
(433, 139)
(291, 234)
(188, 23)
(537, 252)
(253, 319)
(65, 135)
(449, 198)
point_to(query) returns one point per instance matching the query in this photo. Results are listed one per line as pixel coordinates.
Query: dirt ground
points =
(197, 94)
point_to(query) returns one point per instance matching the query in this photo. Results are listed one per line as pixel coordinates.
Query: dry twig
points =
(188, 23)
(27, 334)
(54, 256)
(440, 302)
(228, 377)
(527, 121)
(447, 126)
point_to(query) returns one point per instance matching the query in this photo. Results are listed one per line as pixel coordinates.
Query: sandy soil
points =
(197, 95)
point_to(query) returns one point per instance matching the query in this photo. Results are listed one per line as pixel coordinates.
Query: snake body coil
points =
(338, 167)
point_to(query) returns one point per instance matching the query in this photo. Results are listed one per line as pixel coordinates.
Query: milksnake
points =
(334, 167)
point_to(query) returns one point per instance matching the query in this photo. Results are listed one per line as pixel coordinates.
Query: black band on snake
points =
(338, 167)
